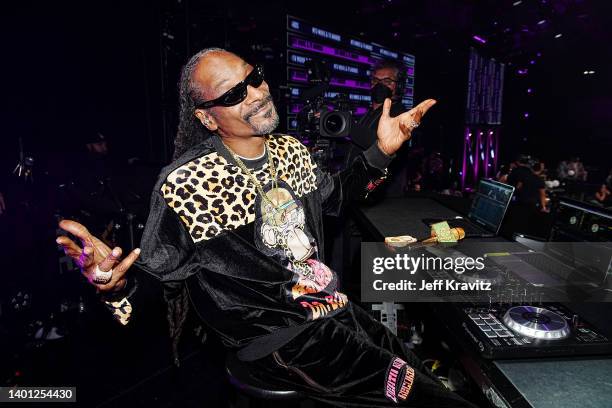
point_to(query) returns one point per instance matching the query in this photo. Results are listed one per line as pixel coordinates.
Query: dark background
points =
(72, 69)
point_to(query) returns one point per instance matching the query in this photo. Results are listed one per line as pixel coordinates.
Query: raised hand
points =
(393, 132)
(96, 254)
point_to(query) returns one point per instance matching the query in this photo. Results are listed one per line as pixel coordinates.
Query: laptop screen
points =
(490, 204)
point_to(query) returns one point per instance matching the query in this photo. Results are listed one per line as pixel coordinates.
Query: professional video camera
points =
(315, 120)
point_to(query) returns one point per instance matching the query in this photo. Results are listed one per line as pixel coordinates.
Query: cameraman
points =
(387, 81)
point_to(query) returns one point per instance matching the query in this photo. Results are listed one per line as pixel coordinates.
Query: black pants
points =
(352, 360)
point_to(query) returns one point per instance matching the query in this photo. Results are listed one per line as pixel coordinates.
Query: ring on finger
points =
(412, 124)
(101, 277)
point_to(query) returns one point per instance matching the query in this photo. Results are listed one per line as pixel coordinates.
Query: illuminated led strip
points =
(361, 44)
(408, 59)
(308, 29)
(363, 98)
(345, 68)
(295, 24)
(350, 83)
(327, 50)
(387, 53)
(298, 59)
(301, 76)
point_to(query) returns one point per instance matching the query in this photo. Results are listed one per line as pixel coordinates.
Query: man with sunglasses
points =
(235, 231)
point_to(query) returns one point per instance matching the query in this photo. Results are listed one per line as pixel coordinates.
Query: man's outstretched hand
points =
(96, 253)
(393, 132)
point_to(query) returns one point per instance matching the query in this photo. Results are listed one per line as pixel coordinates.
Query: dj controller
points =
(515, 321)
(520, 331)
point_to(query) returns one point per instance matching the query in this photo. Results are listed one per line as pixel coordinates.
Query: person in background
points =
(530, 188)
(540, 170)
(529, 198)
(572, 170)
(433, 172)
(602, 196)
(386, 82)
(504, 171)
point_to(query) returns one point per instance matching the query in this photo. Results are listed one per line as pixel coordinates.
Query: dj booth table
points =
(552, 382)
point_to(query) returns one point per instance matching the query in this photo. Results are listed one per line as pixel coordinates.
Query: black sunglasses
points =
(237, 93)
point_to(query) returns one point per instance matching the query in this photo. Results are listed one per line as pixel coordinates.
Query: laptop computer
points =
(487, 210)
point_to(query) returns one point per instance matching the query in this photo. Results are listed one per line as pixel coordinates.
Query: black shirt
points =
(252, 270)
(527, 184)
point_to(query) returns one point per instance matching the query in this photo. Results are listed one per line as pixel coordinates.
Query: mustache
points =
(258, 108)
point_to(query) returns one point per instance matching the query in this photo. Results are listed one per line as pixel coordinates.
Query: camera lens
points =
(334, 123)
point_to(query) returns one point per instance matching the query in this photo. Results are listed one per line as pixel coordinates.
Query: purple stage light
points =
(466, 145)
(532, 62)
(522, 71)
(529, 90)
(479, 39)
(526, 115)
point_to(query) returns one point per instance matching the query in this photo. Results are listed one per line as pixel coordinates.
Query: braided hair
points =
(190, 131)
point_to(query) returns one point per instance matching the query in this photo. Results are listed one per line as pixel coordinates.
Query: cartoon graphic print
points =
(283, 225)
(281, 231)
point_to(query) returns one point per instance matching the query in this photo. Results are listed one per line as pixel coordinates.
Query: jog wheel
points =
(537, 323)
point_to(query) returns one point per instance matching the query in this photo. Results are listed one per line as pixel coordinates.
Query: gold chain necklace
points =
(254, 180)
(305, 268)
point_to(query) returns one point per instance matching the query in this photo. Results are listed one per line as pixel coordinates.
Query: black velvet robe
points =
(255, 276)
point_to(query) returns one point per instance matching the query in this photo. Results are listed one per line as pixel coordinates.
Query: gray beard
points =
(268, 125)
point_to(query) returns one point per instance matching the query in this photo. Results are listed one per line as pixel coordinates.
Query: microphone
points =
(458, 233)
